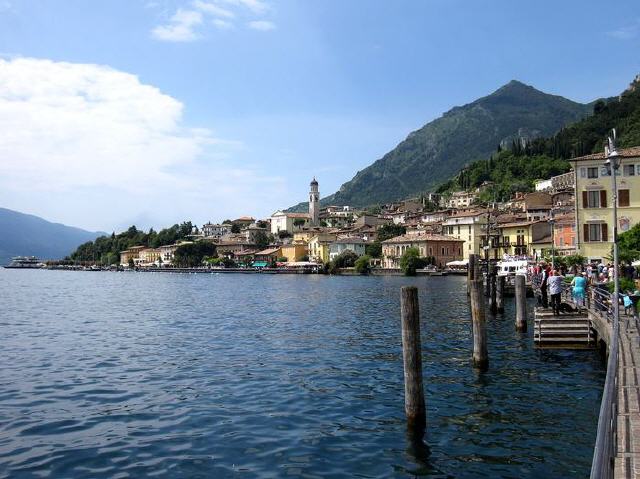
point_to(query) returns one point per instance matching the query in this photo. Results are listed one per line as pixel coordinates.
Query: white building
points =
(215, 231)
(356, 245)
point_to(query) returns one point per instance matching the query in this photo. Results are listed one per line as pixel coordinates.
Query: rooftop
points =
(632, 152)
(409, 237)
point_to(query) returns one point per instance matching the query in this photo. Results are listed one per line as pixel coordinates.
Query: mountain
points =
(438, 150)
(28, 235)
(517, 168)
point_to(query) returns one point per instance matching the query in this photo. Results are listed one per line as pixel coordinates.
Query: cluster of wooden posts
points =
(411, 346)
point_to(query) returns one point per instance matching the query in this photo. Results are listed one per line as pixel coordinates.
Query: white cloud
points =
(213, 9)
(185, 24)
(181, 27)
(261, 25)
(627, 32)
(114, 145)
(222, 24)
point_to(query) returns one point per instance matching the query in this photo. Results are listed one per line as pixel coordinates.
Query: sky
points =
(152, 112)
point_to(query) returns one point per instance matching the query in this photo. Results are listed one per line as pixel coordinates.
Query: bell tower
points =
(314, 203)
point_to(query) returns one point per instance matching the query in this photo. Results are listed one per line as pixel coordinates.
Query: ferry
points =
(512, 267)
(25, 262)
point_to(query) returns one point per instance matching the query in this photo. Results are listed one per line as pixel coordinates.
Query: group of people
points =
(548, 283)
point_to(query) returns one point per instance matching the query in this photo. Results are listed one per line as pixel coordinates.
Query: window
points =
(592, 172)
(583, 172)
(623, 197)
(596, 232)
(469, 230)
(629, 170)
(604, 171)
(594, 199)
(458, 229)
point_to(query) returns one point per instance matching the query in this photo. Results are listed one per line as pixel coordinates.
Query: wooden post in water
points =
(479, 320)
(471, 271)
(500, 294)
(492, 294)
(521, 303)
(412, 356)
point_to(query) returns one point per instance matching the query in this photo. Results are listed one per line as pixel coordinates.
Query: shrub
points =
(362, 264)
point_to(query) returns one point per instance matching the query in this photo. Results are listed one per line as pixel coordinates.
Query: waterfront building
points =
(314, 203)
(594, 209)
(232, 247)
(525, 238)
(215, 231)
(267, 256)
(294, 252)
(132, 253)
(469, 226)
(289, 222)
(319, 247)
(442, 248)
(339, 246)
(149, 257)
(564, 234)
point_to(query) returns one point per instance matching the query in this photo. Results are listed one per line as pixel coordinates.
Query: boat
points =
(25, 262)
(514, 266)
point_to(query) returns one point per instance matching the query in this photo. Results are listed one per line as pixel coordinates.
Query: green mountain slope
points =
(438, 150)
(516, 168)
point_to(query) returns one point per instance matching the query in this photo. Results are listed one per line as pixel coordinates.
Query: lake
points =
(230, 375)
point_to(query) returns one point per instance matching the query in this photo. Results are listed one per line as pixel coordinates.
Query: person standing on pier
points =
(579, 284)
(555, 290)
(543, 284)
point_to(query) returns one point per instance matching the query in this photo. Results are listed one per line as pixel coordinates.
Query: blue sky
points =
(155, 111)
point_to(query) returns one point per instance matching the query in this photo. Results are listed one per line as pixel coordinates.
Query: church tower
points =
(314, 203)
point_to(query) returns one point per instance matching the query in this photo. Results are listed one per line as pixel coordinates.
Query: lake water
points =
(230, 375)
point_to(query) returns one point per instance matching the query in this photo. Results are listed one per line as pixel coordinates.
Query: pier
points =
(617, 448)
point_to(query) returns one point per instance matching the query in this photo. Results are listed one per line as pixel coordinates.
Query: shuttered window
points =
(603, 199)
(595, 232)
(623, 197)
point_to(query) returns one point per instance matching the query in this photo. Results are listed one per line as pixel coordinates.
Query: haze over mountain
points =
(438, 150)
(28, 235)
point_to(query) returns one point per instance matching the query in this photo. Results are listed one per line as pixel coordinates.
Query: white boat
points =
(512, 267)
(25, 262)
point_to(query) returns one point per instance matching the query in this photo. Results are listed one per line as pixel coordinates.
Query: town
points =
(567, 215)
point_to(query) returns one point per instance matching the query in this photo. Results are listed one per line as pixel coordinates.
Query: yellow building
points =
(319, 247)
(294, 252)
(526, 238)
(594, 207)
(132, 253)
(469, 226)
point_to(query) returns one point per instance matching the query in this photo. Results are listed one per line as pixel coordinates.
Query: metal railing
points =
(600, 302)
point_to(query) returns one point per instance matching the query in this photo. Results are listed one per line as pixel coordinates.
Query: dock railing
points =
(599, 301)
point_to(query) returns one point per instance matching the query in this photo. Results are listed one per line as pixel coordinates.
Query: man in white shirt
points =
(555, 290)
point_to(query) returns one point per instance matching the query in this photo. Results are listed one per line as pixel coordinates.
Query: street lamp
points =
(553, 242)
(613, 163)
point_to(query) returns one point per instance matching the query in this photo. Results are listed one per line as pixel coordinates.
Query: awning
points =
(260, 264)
(463, 262)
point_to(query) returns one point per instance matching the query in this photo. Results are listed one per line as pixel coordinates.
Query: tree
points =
(410, 261)
(131, 263)
(299, 222)
(282, 259)
(362, 264)
(191, 255)
(629, 244)
(346, 259)
(235, 228)
(261, 239)
(282, 234)
(390, 231)
(374, 250)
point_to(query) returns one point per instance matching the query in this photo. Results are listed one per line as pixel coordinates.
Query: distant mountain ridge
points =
(28, 235)
(438, 150)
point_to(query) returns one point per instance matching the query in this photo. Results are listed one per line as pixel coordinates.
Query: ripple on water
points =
(137, 375)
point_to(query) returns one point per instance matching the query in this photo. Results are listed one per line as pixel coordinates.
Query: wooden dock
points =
(569, 330)
(627, 459)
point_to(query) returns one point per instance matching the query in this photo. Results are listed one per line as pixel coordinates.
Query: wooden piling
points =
(500, 294)
(479, 321)
(521, 303)
(492, 289)
(414, 405)
(472, 266)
